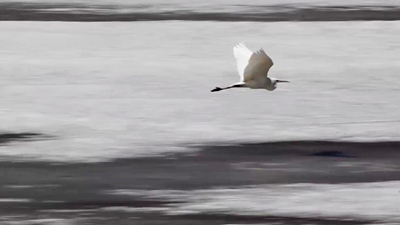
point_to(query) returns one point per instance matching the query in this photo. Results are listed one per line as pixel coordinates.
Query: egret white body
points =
(253, 70)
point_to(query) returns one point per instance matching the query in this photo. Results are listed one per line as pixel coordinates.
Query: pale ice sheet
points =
(110, 90)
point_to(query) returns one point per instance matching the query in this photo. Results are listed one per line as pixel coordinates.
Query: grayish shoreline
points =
(103, 13)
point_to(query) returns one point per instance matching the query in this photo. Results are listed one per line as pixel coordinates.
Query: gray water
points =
(90, 92)
(106, 90)
(198, 4)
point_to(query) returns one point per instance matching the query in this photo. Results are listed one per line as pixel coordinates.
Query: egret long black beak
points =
(282, 81)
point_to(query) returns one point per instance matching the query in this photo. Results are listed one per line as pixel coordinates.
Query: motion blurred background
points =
(106, 113)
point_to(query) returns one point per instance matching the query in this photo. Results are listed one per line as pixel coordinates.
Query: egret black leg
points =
(216, 89)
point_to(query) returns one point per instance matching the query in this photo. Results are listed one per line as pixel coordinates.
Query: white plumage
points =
(253, 68)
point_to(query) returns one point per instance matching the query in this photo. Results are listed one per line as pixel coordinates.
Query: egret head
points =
(276, 81)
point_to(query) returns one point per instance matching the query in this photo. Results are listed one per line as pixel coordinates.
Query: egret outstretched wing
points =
(242, 55)
(249, 64)
(259, 65)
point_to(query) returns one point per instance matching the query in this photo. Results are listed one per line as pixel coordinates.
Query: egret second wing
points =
(242, 55)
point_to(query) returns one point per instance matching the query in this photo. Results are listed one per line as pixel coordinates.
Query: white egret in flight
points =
(253, 69)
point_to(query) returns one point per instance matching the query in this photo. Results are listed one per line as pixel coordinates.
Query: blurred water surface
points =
(109, 90)
(100, 91)
(197, 4)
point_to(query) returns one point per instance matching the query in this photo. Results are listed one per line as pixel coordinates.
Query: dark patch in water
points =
(246, 219)
(302, 148)
(23, 136)
(80, 205)
(122, 215)
(85, 185)
(330, 154)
